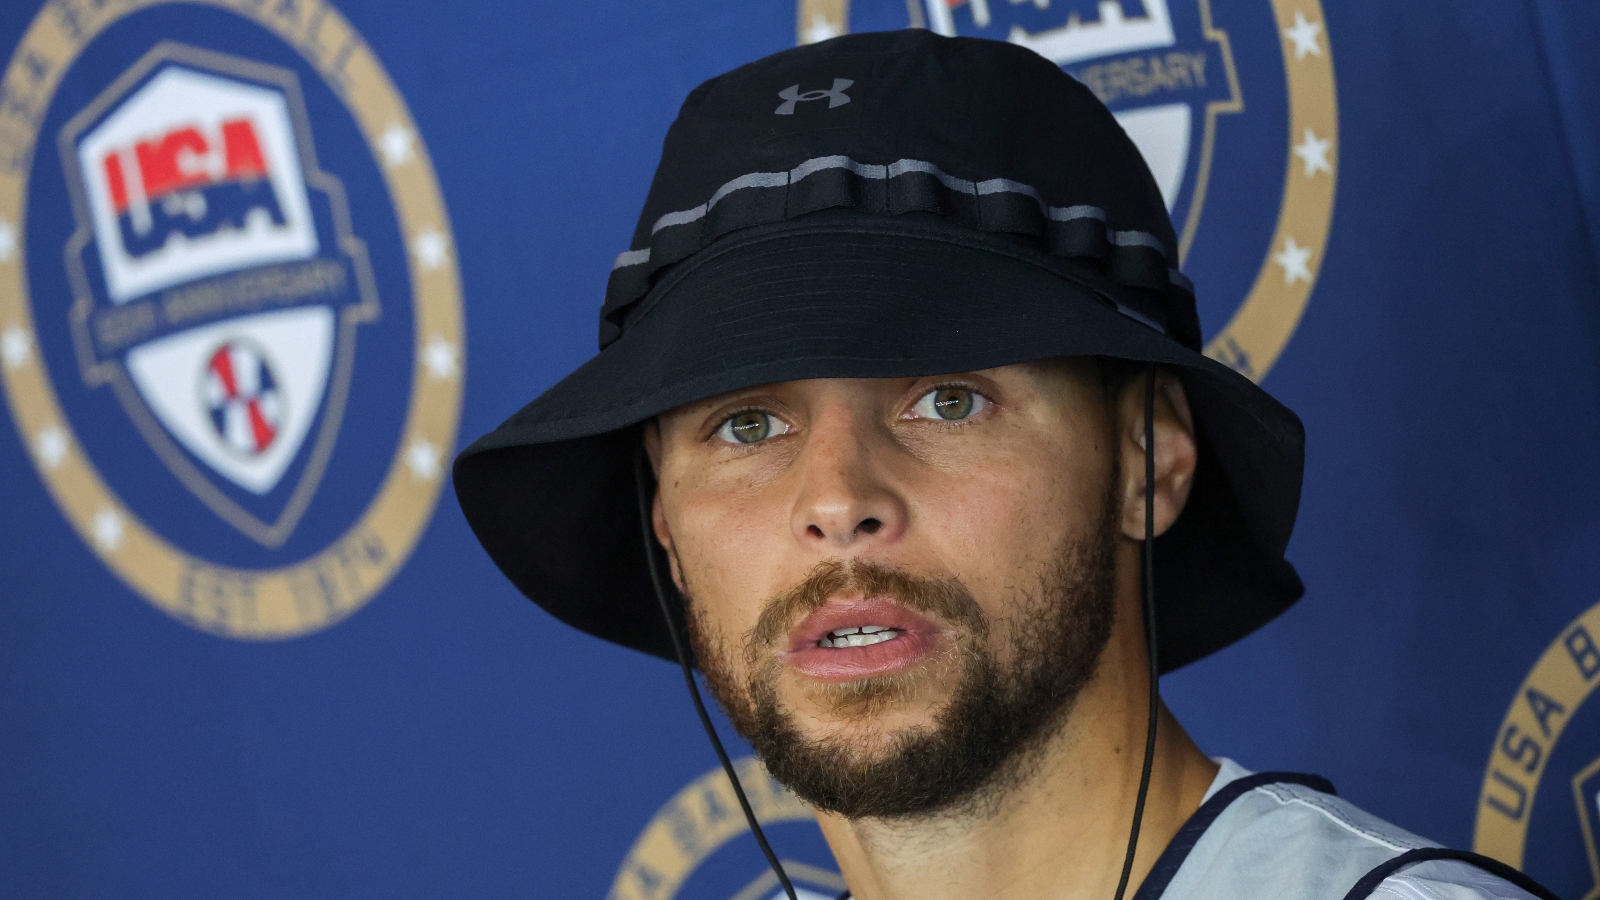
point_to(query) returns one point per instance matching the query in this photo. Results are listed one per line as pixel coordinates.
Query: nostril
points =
(814, 531)
(869, 526)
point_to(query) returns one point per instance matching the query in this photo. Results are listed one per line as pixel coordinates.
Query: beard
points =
(983, 740)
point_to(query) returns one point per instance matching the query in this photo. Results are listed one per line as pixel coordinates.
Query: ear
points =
(1175, 451)
(658, 513)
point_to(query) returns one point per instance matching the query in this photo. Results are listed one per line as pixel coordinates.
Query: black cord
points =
(1149, 559)
(640, 480)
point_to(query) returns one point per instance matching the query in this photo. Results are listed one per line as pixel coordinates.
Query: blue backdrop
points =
(265, 264)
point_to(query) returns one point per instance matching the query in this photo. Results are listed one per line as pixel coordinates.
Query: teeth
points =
(859, 637)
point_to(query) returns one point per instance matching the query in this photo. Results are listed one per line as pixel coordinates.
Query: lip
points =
(918, 640)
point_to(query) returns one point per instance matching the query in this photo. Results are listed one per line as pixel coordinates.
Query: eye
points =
(949, 403)
(751, 427)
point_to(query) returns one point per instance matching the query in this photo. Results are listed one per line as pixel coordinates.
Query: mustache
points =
(947, 599)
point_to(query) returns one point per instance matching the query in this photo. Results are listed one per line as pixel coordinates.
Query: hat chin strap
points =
(642, 482)
(1148, 583)
(641, 476)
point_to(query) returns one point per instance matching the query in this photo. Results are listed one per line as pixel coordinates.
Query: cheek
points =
(982, 525)
(999, 522)
(730, 544)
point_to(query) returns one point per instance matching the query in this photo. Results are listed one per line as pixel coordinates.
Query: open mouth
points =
(860, 638)
(865, 636)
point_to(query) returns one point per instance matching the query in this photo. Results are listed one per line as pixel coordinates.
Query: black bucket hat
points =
(884, 205)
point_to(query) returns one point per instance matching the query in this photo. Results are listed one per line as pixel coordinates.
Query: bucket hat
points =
(889, 204)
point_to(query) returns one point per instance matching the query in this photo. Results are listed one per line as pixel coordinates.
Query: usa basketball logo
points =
(1228, 105)
(704, 820)
(204, 220)
(202, 326)
(1540, 800)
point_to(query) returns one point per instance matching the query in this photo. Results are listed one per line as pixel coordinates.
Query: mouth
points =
(865, 636)
(848, 640)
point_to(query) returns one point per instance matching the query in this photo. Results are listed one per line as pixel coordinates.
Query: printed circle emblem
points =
(227, 289)
(699, 845)
(1552, 703)
(1208, 95)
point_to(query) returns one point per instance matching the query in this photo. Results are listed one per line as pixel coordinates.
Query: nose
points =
(847, 500)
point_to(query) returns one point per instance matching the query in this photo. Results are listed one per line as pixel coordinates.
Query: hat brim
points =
(551, 494)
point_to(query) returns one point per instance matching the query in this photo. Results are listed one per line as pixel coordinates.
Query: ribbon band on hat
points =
(1134, 258)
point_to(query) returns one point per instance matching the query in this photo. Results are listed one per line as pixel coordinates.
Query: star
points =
(820, 29)
(1296, 261)
(430, 248)
(1313, 151)
(108, 529)
(50, 445)
(441, 358)
(423, 458)
(395, 144)
(15, 348)
(1304, 35)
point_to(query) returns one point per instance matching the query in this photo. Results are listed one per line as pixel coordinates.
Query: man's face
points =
(896, 586)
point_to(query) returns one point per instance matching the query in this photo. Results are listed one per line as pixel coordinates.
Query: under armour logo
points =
(791, 95)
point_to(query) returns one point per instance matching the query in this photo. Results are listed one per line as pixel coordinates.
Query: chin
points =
(865, 710)
(862, 744)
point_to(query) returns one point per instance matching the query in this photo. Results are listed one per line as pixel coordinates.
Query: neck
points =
(1060, 831)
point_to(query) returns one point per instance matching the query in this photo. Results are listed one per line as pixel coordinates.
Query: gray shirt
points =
(1264, 836)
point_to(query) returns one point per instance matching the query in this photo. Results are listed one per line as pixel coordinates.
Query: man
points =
(900, 320)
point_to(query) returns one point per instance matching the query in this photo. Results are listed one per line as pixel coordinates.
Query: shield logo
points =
(218, 285)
